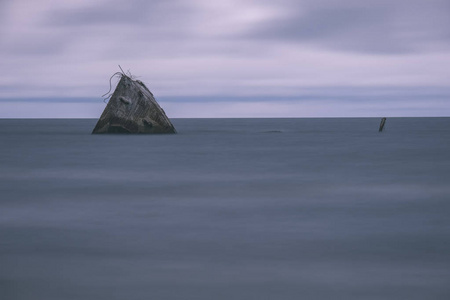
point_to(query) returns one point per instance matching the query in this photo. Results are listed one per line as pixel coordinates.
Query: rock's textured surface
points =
(133, 109)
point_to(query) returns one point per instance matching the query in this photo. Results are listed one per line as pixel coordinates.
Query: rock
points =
(133, 109)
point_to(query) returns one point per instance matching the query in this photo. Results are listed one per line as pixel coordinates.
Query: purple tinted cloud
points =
(233, 49)
(372, 26)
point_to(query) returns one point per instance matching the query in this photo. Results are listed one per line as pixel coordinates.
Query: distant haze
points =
(237, 58)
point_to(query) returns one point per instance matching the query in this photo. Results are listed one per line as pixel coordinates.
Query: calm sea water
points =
(226, 209)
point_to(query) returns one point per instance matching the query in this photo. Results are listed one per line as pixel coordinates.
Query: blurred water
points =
(226, 209)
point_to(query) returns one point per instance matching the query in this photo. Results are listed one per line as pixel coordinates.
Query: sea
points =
(303, 208)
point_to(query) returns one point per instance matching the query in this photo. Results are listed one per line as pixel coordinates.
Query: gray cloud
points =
(370, 26)
(137, 28)
(37, 45)
(156, 13)
(243, 51)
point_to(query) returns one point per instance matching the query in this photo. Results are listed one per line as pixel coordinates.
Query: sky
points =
(228, 58)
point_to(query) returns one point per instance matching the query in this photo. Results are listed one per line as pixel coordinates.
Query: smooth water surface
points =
(226, 209)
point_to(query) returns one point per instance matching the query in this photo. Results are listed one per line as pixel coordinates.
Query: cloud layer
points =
(370, 26)
(247, 48)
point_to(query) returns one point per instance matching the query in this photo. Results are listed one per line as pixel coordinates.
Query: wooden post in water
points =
(383, 121)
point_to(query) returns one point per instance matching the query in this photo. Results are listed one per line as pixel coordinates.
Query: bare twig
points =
(107, 94)
(121, 70)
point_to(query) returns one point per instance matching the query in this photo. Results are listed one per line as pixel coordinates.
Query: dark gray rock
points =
(133, 109)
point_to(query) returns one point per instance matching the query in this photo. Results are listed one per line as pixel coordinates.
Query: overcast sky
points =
(228, 58)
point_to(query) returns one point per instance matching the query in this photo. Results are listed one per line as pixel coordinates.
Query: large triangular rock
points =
(133, 109)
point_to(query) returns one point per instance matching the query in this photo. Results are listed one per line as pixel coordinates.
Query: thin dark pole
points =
(383, 121)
